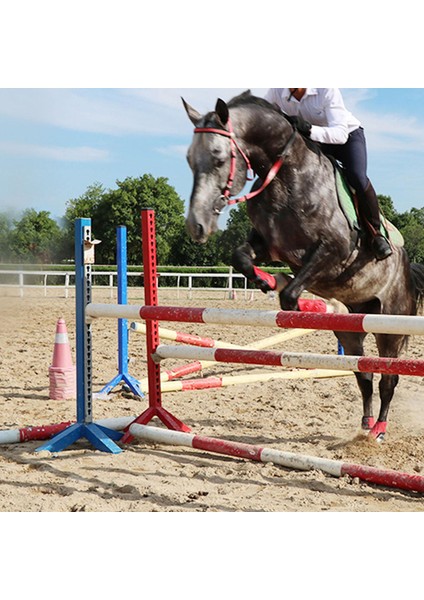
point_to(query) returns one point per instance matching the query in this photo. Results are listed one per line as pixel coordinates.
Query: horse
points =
(297, 219)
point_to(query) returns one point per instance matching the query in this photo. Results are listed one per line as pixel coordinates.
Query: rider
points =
(320, 114)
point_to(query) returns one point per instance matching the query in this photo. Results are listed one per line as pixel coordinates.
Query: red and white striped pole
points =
(361, 364)
(363, 323)
(45, 432)
(205, 342)
(212, 382)
(385, 477)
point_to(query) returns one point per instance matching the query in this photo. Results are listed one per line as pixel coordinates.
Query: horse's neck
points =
(263, 135)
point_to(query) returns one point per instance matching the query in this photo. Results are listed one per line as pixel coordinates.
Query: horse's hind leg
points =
(254, 250)
(353, 344)
(389, 346)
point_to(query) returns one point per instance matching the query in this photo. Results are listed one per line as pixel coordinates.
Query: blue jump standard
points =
(123, 376)
(102, 438)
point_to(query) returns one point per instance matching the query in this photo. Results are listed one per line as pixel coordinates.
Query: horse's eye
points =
(219, 159)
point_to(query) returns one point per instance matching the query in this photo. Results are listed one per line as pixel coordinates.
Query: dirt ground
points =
(319, 417)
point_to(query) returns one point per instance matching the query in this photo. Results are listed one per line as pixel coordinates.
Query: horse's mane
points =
(247, 98)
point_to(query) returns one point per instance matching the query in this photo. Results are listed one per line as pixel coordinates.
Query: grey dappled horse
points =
(297, 220)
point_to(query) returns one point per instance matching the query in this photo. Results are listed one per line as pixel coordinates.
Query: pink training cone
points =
(62, 372)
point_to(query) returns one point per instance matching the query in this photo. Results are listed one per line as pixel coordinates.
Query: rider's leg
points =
(369, 207)
(353, 155)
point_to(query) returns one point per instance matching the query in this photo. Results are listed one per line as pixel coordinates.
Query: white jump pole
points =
(289, 460)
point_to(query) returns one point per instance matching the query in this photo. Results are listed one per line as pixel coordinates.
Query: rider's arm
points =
(336, 130)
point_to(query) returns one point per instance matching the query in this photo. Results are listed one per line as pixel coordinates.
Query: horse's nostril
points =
(200, 231)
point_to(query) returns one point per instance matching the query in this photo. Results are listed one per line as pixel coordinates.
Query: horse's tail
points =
(417, 276)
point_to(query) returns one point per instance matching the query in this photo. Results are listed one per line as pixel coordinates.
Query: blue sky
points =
(55, 142)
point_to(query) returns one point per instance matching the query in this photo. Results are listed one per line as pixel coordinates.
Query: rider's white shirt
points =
(323, 108)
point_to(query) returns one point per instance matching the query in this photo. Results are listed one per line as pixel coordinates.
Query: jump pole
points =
(196, 366)
(361, 364)
(45, 432)
(100, 437)
(123, 375)
(155, 409)
(388, 478)
(203, 383)
(363, 323)
(205, 342)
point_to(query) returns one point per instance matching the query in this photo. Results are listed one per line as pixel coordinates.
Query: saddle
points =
(349, 207)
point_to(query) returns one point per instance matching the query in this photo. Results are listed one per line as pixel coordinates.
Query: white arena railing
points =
(185, 281)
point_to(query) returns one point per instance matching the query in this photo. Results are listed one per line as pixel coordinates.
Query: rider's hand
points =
(302, 126)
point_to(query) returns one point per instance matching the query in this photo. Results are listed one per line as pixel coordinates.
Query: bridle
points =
(225, 198)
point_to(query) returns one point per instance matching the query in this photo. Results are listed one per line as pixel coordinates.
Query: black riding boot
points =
(368, 204)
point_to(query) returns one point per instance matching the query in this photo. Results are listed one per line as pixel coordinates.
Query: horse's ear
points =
(193, 115)
(221, 110)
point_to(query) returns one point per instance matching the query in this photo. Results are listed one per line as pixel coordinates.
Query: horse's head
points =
(216, 172)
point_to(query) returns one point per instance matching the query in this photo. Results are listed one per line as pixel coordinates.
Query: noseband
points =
(234, 145)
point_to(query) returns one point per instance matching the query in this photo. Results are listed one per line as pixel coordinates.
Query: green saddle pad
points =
(346, 202)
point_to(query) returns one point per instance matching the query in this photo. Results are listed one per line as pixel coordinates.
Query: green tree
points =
(418, 215)
(236, 232)
(122, 206)
(413, 234)
(35, 237)
(85, 205)
(82, 207)
(5, 231)
(388, 209)
(185, 252)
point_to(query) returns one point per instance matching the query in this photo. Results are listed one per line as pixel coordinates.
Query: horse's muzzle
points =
(197, 230)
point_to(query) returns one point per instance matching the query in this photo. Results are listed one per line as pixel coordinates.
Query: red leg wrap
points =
(265, 277)
(368, 423)
(378, 430)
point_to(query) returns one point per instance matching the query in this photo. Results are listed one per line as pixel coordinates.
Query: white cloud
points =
(159, 111)
(111, 111)
(386, 132)
(77, 154)
(179, 151)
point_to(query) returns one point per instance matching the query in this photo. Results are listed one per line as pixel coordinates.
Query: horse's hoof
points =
(262, 285)
(288, 303)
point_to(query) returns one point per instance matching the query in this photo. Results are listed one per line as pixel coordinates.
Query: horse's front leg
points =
(244, 258)
(319, 260)
(389, 346)
(353, 344)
